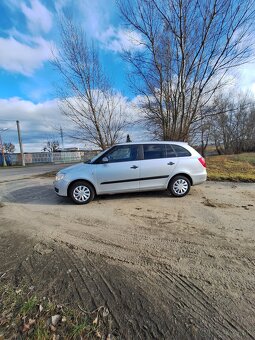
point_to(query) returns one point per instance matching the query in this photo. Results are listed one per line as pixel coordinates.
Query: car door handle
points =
(170, 163)
(134, 167)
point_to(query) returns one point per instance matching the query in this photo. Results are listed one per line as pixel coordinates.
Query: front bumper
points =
(61, 187)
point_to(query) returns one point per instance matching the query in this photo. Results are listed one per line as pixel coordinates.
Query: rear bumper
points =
(199, 179)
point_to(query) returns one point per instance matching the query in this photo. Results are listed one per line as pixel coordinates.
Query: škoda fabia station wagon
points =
(134, 167)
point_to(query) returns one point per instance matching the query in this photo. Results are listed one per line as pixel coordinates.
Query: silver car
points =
(134, 167)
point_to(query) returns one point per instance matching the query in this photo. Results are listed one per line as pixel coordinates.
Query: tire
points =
(179, 186)
(81, 192)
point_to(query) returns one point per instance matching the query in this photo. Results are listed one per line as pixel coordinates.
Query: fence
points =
(49, 157)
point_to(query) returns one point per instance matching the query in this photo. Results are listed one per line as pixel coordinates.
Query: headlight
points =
(59, 176)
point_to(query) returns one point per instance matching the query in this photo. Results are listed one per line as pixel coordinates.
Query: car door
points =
(159, 161)
(118, 170)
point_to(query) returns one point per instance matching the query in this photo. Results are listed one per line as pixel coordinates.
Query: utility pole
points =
(20, 144)
(2, 148)
(62, 137)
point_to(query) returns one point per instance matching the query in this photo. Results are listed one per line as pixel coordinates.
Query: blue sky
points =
(30, 27)
(28, 32)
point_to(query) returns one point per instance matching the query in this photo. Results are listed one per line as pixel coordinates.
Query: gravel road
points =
(166, 268)
(18, 173)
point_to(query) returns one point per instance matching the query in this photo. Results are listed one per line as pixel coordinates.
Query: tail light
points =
(202, 161)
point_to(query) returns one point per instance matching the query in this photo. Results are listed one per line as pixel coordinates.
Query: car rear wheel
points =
(82, 192)
(179, 186)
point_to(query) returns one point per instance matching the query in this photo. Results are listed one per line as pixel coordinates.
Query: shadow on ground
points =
(45, 195)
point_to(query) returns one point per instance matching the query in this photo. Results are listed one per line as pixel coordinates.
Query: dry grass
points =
(239, 168)
(25, 316)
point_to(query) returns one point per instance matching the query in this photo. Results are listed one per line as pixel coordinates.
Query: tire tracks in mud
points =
(198, 303)
(77, 277)
(142, 271)
(146, 301)
(104, 285)
(195, 301)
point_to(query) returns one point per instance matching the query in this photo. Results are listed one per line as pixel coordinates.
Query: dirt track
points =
(166, 268)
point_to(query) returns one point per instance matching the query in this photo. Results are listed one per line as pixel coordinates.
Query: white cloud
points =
(241, 78)
(99, 19)
(61, 4)
(40, 121)
(40, 117)
(118, 39)
(39, 18)
(26, 52)
(245, 77)
(19, 57)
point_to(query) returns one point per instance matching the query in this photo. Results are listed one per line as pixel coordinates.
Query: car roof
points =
(155, 142)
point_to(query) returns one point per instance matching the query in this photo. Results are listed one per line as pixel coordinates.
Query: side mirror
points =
(105, 160)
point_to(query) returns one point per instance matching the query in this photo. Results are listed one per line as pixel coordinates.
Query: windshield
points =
(91, 161)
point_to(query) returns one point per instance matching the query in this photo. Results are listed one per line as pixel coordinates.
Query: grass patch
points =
(236, 168)
(26, 316)
(29, 306)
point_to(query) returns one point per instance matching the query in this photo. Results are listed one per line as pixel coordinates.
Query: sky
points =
(28, 33)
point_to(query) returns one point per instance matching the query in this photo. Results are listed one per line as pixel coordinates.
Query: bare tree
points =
(200, 134)
(87, 98)
(187, 49)
(51, 146)
(9, 147)
(233, 128)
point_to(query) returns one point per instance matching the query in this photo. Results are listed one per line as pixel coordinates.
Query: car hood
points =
(75, 167)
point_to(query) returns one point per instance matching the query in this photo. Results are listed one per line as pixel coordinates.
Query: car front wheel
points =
(81, 192)
(179, 186)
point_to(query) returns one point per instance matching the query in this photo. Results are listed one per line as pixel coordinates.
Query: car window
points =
(154, 151)
(170, 153)
(181, 151)
(123, 153)
(93, 160)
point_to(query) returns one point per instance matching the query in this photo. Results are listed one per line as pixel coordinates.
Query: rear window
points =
(170, 151)
(154, 151)
(181, 151)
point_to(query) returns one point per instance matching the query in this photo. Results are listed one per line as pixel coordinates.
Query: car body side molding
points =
(135, 179)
